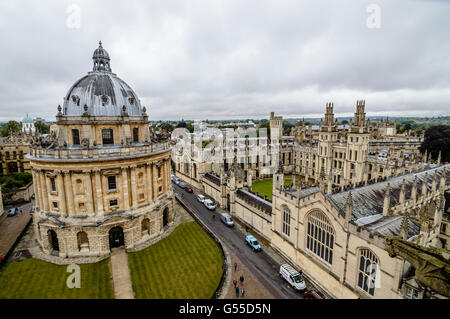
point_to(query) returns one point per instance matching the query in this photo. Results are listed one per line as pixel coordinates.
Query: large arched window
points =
(320, 236)
(286, 221)
(368, 268)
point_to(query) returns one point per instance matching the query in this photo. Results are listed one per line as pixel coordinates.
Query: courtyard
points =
(264, 187)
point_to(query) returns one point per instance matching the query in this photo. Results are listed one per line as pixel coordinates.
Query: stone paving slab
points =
(123, 288)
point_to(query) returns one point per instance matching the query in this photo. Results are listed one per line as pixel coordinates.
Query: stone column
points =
(133, 185)
(43, 186)
(61, 196)
(90, 198)
(69, 193)
(149, 182)
(49, 189)
(126, 200)
(37, 190)
(155, 181)
(99, 192)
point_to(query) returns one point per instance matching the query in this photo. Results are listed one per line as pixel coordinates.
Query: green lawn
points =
(186, 264)
(264, 187)
(37, 279)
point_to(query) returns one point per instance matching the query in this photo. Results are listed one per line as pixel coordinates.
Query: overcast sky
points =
(212, 59)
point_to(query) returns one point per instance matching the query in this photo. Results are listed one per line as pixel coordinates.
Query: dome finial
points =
(100, 43)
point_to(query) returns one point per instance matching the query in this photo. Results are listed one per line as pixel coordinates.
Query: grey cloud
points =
(230, 59)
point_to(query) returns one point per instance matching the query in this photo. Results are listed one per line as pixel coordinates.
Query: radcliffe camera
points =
(222, 158)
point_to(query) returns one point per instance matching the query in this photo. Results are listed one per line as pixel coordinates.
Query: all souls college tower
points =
(100, 180)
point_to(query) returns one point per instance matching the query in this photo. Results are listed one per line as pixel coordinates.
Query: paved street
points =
(12, 227)
(259, 263)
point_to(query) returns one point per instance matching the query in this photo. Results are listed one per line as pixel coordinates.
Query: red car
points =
(314, 294)
(188, 189)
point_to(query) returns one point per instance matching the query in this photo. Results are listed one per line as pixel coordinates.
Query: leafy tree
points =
(437, 139)
(10, 126)
(344, 122)
(166, 126)
(287, 127)
(42, 127)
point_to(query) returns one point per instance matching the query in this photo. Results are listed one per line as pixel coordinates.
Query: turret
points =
(414, 190)
(402, 193)
(387, 199)
(348, 207)
(404, 226)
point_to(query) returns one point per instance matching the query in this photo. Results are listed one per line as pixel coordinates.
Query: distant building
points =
(28, 125)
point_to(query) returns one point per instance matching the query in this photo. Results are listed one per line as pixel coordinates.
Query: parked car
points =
(209, 204)
(175, 179)
(182, 184)
(314, 294)
(200, 198)
(252, 242)
(293, 277)
(226, 219)
(13, 212)
(188, 189)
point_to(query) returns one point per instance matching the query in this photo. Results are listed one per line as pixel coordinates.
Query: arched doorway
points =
(116, 238)
(165, 217)
(53, 241)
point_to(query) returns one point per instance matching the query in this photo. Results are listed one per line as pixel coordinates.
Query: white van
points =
(292, 276)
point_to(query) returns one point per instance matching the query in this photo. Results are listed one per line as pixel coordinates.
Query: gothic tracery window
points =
(320, 236)
(286, 221)
(368, 264)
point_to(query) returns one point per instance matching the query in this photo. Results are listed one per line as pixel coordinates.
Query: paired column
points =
(150, 186)
(69, 192)
(126, 200)
(133, 185)
(90, 198)
(60, 190)
(98, 191)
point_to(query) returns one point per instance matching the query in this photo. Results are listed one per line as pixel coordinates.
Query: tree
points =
(10, 126)
(42, 127)
(437, 139)
(166, 126)
(344, 122)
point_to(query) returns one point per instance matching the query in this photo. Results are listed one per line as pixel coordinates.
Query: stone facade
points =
(13, 149)
(100, 181)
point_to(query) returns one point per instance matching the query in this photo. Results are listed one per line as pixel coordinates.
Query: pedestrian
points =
(235, 266)
(235, 283)
(243, 292)
(241, 279)
(237, 292)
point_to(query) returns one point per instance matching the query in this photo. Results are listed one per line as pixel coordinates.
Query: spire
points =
(405, 226)
(348, 207)
(402, 192)
(439, 158)
(424, 184)
(414, 190)
(443, 178)
(387, 199)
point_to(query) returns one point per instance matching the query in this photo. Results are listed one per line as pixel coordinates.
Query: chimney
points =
(387, 199)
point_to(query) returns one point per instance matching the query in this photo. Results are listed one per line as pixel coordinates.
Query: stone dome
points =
(101, 91)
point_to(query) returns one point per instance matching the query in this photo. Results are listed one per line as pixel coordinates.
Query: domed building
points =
(100, 180)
